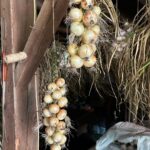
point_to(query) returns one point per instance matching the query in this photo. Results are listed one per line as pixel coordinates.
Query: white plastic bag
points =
(125, 132)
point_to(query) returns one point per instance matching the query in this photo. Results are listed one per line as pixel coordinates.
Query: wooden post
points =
(20, 98)
(16, 24)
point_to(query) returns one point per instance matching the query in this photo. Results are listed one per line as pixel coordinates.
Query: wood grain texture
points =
(40, 39)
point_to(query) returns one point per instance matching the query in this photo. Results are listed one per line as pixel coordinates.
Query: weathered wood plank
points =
(40, 39)
(16, 21)
(8, 93)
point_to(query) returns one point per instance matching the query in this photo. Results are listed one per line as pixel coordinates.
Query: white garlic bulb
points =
(77, 28)
(96, 29)
(63, 140)
(90, 62)
(46, 112)
(54, 108)
(76, 61)
(48, 99)
(60, 82)
(56, 95)
(49, 140)
(90, 18)
(96, 10)
(62, 102)
(53, 121)
(72, 49)
(85, 51)
(49, 131)
(62, 114)
(87, 4)
(89, 36)
(76, 14)
(52, 87)
(46, 122)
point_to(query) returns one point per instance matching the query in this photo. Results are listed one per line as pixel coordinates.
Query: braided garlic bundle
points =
(55, 115)
(84, 26)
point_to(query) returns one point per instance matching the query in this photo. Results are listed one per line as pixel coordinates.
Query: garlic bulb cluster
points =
(55, 114)
(84, 18)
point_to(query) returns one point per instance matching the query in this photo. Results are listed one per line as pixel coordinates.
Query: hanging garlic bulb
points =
(55, 147)
(60, 82)
(76, 14)
(62, 102)
(72, 49)
(85, 51)
(76, 61)
(63, 140)
(46, 112)
(90, 18)
(52, 87)
(96, 10)
(53, 121)
(93, 46)
(87, 4)
(54, 108)
(90, 62)
(46, 122)
(63, 91)
(77, 28)
(96, 29)
(62, 114)
(49, 131)
(48, 99)
(57, 137)
(61, 125)
(56, 95)
(49, 140)
(89, 36)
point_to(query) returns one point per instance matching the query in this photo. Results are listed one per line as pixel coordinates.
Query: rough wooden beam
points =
(40, 39)
(16, 22)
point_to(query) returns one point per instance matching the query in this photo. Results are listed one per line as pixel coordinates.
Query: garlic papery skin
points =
(48, 99)
(77, 28)
(76, 14)
(52, 87)
(90, 18)
(85, 51)
(72, 49)
(60, 82)
(97, 10)
(76, 61)
(53, 121)
(54, 108)
(62, 102)
(56, 95)
(55, 147)
(49, 131)
(96, 29)
(90, 62)
(89, 36)
(87, 4)
(62, 114)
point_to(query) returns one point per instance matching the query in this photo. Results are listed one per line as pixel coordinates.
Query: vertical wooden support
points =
(17, 22)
